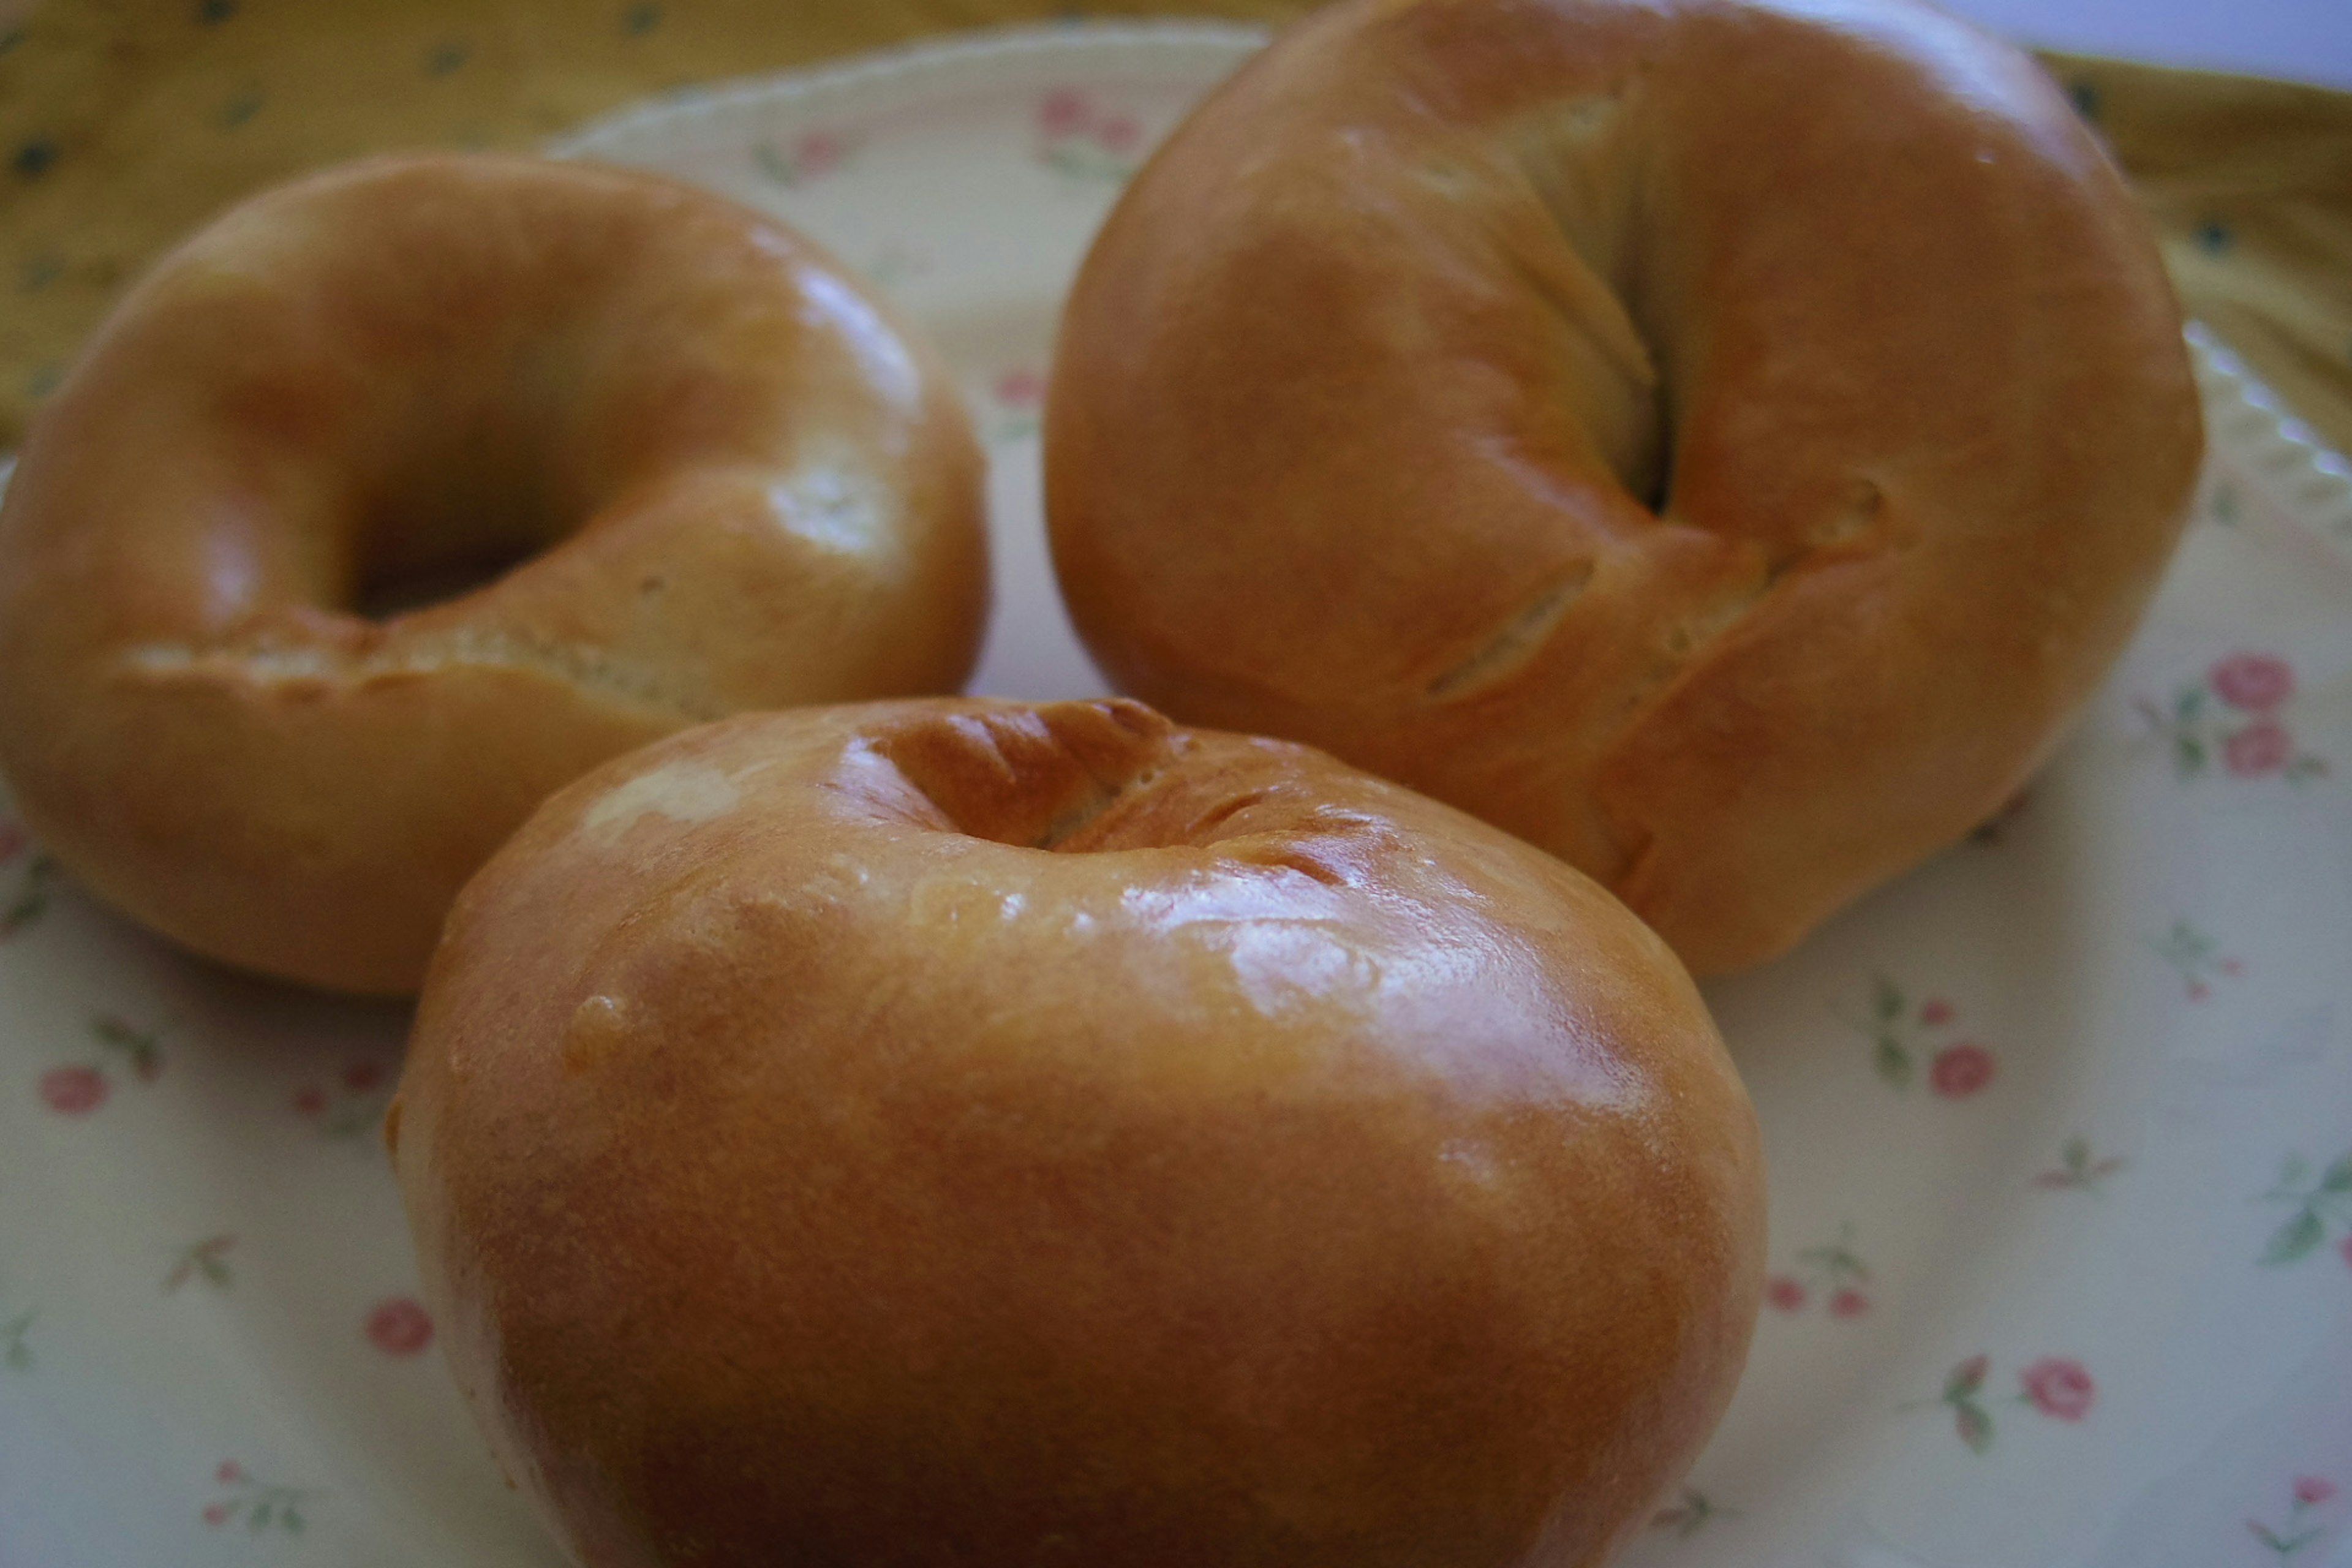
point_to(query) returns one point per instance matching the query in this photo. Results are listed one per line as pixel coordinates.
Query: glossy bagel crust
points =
(733, 477)
(1720, 442)
(976, 1132)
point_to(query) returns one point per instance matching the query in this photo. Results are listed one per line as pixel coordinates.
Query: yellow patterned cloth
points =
(124, 124)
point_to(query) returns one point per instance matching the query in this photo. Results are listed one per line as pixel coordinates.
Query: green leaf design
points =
(2076, 1156)
(1966, 1379)
(1837, 1262)
(262, 1515)
(2189, 752)
(1893, 1062)
(2189, 706)
(784, 170)
(293, 1520)
(2296, 1239)
(2338, 1177)
(1976, 1426)
(115, 1032)
(1084, 164)
(1885, 998)
(32, 899)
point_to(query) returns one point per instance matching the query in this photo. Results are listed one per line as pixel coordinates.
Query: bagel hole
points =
(388, 591)
(1578, 156)
(1039, 778)
(476, 477)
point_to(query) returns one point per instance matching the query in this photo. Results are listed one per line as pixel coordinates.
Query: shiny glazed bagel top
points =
(1040, 1120)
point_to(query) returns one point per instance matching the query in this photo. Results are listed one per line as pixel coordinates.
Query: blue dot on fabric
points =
(35, 158)
(2213, 237)
(209, 12)
(444, 58)
(2086, 99)
(638, 20)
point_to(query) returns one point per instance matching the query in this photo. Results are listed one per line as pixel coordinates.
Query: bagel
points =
(977, 1132)
(723, 473)
(1723, 443)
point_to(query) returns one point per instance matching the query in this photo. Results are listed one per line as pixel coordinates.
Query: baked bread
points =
(980, 1133)
(1722, 443)
(730, 475)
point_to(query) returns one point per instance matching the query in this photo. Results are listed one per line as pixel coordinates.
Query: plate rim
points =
(942, 54)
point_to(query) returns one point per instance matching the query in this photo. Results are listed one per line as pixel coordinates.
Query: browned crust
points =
(1281, 1168)
(1365, 391)
(408, 360)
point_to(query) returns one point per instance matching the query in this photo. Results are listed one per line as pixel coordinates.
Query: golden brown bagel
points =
(1720, 442)
(983, 1133)
(740, 482)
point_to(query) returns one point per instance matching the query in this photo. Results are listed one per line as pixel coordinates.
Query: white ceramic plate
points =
(2061, 1124)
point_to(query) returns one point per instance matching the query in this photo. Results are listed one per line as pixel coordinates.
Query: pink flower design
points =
(2261, 747)
(75, 1091)
(810, 157)
(2059, 1387)
(1120, 133)
(1082, 139)
(819, 153)
(2199, 991)
(2255, 682)
(1902, 1038)
(350, 1104)
(261, 1506)
(2247, 690)
(399, 1327)
(2313, 1491)
(1063, 111)
(1833, 1273)
(1023, 388)
(2346, 1250)
(1960, 1070)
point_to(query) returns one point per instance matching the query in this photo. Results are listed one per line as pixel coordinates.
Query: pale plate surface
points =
(2061, 1124)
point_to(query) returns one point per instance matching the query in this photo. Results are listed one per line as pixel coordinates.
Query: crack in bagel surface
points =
(299, 665)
